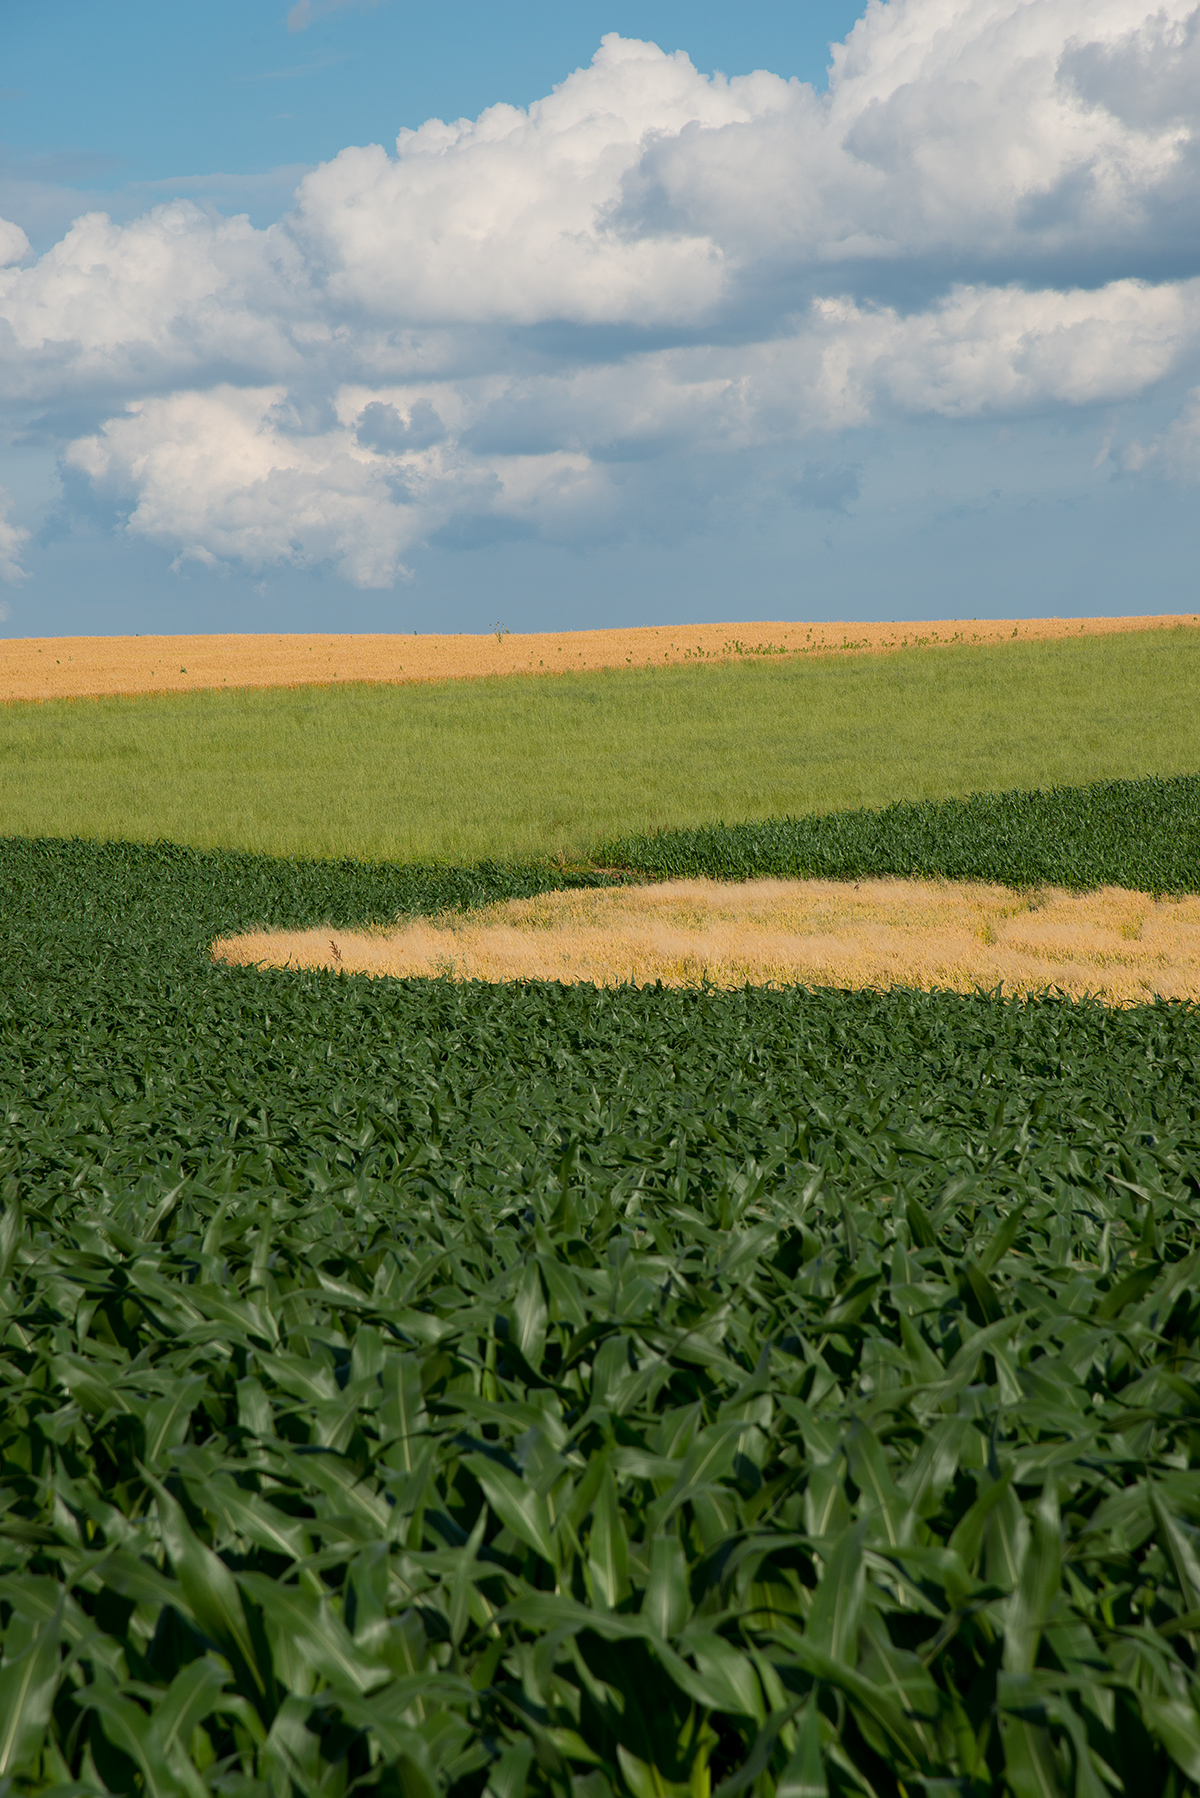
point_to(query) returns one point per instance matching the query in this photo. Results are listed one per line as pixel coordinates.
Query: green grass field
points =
(531, 768)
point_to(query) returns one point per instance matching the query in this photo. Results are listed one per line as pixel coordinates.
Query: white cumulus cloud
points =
(515, 216)
(14, 245)
(1176, 451)
(992, 211)
(12, 541)
(227, 474)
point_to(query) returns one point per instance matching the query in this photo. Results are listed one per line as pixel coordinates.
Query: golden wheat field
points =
(92, 667)
(1122, 947)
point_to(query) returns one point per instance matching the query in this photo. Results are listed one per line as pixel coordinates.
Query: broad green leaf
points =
(608, 1552)
(251, 1516)
(308, 1625)
(923, 1364)
(899, 1672)
(191, 1696)
(707, 1461)
(891, 1519)
(1127, 1291)
(1093, 1776)
(804, 1775)
(464, 1575)
(291, 1752)
(530, 1314)
(27, 1687)
(134, 1577)
(128, 1728)
(1004, 1237)
(933, 1467)
(1181, 1550)
(1177, 1726)
(1007, 1540)
(411, 1750)
(240, 1317)
(920, 1228)
(167, 1419)
(1030, 1766)
(516, 1503)
(725, 1674)
(303, 1378)
(717, 1513)
(342, 1490)
(12, 1229)
(645, 1780)
(254, 1408)
(968, 1535)
(868, 1465)
(979, 1295)
(211, 1594)
(826, 1510)
(837, 1608)
(402, 1415)
(366, 1597)
(666, 1602)
(874, 1704)
(1037, 1586)
(87, 1385)
(510, 1772)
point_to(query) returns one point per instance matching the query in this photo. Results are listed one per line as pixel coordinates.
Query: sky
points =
(335, 315)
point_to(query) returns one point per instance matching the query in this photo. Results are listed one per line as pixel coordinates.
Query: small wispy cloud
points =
(58, 165)
(297, 70)
(285, 175)
(307, 12)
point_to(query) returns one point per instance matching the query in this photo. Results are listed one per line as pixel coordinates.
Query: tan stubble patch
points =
(1123, 947)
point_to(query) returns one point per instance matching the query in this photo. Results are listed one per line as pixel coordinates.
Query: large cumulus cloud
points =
(992, 210)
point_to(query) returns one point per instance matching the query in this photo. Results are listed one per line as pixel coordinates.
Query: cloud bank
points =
(580, 320)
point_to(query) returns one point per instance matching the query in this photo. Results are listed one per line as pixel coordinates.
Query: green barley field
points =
(533, 767)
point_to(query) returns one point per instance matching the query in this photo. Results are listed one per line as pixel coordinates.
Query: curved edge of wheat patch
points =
(1121, 946)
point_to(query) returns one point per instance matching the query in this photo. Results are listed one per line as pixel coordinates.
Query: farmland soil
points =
(1123, 947)
(91, 667)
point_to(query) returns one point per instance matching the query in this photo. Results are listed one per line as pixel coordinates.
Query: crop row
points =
(1143, 834)
(497, 1390)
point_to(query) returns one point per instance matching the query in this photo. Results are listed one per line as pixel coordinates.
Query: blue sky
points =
(119, 99)
(624, 341)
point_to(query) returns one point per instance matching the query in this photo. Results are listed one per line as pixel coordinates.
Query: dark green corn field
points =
(417, 1388)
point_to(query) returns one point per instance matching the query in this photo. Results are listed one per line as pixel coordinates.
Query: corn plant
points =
(452, 1389)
